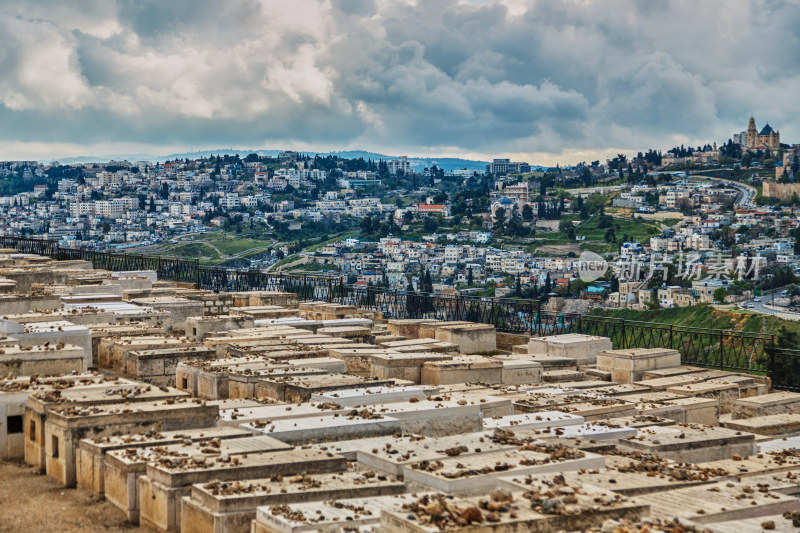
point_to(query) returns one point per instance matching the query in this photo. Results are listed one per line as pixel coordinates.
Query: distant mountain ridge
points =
(418, 163)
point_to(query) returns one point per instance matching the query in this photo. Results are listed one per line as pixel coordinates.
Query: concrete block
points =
(521, 372)
(406, 366)
(479, 473)
(462, 370)
(582, 348)
(692, 444)
(629, 366)
(768, 404)
(470, 338)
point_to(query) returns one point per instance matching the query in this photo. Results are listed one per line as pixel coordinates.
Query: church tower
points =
(752, 133)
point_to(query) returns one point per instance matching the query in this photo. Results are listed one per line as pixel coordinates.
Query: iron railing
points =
(521, 316)
(723, 349)
(783, 368)
(717, 348)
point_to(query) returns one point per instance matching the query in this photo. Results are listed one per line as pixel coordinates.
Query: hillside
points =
(705, 316)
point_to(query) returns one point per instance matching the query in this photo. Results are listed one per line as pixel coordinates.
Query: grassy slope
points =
(705, 316)
(595, 237)
(635, 229)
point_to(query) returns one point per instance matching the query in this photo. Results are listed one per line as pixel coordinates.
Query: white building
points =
(399, 165)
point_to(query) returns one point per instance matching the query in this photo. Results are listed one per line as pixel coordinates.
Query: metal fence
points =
(723, 349)
(717, 348)
(519, 316)
(783, 368)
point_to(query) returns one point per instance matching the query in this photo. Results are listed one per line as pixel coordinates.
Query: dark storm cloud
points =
(481, 76)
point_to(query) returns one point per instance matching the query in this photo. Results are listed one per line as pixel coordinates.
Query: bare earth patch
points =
(559, 249)
(31, 502)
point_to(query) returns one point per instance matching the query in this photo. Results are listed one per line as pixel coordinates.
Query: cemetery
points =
(197, 411)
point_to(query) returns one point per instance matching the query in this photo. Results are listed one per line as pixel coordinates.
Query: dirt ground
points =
(559, 249)
(30, 502)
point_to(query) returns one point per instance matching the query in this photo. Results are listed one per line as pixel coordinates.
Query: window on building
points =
(32, 433)
(14, 424)
(54, 443)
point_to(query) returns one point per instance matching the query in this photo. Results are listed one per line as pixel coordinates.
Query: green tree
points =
(796, 242)
(720, 295)
(429, 224)
(527, 213)
(566, 227)
(500, 220)
(366, 224)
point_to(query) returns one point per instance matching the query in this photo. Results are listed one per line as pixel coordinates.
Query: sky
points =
(545, 81)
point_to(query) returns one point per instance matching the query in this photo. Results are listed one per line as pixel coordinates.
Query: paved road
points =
(747, 193)
(766, 307)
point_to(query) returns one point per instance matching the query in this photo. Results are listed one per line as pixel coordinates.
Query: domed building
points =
(766, 138)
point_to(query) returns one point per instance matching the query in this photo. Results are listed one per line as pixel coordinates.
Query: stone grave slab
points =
(42, 401)
(592, 386)
(591, 408)
(672, 372)
(390, 365)
(470, 338)
(773, 425)
(90, 459)
(625, 389)
(629, 366)
(582, 348)
(346, 332)
(767, 462)
(349, 448)
(697, 410)
(725, 393)
(480, 472)
(663, 384)
(250, 383)
(718, 502)
(408, 328)
(231, 506)
(592, 430)
(691, 444)
(489, 405)
(361, 514)
(432, 418)
(34, 360)
(394, 454)
(374, 395)
(536, 510)
(779, 445)
(767, 404)
(161, 490)
(467, 369)
(541, 420)
(300, 388)
(777, 523)
(629, 477)
(159, 366)
(124, 466)
(326, 428)
(562, 376)
(67, 426)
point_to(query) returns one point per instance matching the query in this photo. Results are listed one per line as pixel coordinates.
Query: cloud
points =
(549, 78)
